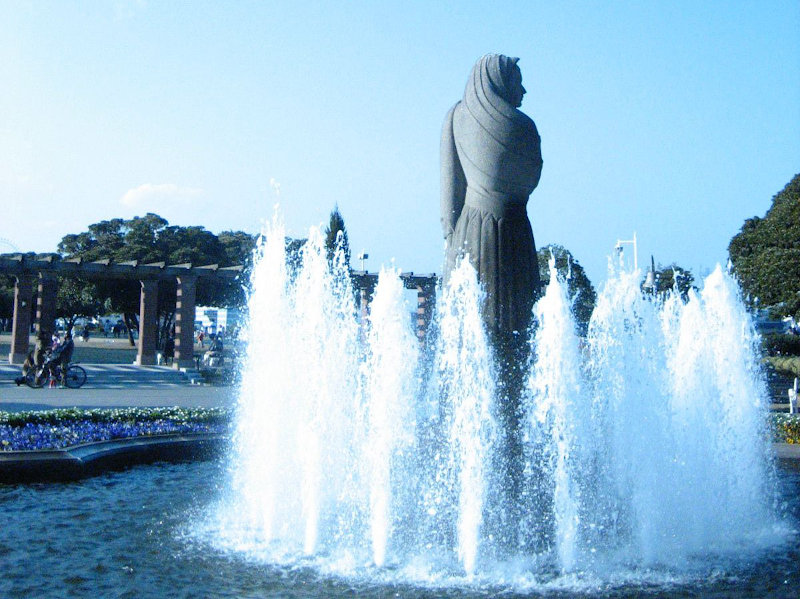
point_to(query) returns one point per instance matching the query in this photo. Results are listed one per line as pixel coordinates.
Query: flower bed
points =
(58, 429)
(786, 428)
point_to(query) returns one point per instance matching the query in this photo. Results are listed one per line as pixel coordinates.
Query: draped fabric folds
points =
(491, 162)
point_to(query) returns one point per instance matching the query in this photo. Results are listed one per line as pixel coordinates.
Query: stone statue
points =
(491, 162)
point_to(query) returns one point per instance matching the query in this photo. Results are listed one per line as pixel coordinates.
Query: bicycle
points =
(73, 378)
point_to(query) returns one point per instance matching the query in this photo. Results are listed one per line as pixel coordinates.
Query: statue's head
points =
(505, 76)
(514, 85)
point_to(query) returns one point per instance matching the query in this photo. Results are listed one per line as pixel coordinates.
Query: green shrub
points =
(786, 365)
(781, 345)
(67, 415)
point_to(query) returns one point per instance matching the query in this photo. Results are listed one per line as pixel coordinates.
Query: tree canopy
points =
(670, 278)
(766, 254)
(335, 236)
(75, 298)
(150, 239)
(579, 288)
(6, 297)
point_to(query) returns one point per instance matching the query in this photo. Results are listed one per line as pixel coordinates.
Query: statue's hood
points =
(498, 145)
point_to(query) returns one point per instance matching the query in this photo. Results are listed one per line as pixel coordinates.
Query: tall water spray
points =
(389, 374)
(361, 454)
(466, 386)
(678, 417)
(554, 404)
(301, 338)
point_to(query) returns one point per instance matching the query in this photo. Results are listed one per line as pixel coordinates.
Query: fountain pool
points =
(143, 533)
(645, 466)
(641, 455)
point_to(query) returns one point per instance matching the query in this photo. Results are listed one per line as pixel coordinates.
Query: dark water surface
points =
(129, 534)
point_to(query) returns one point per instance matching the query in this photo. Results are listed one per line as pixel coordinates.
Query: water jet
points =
(644, 450)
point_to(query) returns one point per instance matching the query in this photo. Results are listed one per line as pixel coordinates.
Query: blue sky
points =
(676, 120)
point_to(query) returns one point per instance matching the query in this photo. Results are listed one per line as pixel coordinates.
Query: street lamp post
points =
(621, 242)
(363, 256)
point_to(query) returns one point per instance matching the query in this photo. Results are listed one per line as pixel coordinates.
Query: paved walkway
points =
(115, 385)
(115, 376)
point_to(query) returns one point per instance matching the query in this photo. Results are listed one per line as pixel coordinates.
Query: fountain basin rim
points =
(786, 451)
(91, 459)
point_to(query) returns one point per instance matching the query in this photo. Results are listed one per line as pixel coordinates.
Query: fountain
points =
(506, 452)
(495, 458)
(364, 455)
(365, 464)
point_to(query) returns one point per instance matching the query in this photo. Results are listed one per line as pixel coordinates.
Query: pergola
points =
(424, 284)
(42, 272)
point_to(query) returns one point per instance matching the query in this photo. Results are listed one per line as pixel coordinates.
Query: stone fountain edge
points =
(91, 459)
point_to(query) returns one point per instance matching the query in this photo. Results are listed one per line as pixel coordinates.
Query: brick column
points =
(148, 323)
(21, 327)
(184, 322)
(363, 303)
(426, 298)
(46, 303)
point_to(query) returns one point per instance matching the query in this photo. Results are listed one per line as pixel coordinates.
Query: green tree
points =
(76, 298)
(6, 300)
(238, 247)
(336, 236)
(669, 278)
(151, 239)
(579, 288)
(294, 254)
(766, 254)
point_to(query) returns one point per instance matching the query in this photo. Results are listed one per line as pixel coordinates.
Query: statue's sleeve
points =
(453, 183)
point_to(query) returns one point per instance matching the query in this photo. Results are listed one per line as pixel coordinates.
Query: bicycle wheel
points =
(35, 379)
(75, 377)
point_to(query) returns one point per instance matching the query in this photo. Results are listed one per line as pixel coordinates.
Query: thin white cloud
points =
(276, 187)
(146, 194)
(128, 9)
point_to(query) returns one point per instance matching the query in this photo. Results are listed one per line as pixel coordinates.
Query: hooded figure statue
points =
(491, 161)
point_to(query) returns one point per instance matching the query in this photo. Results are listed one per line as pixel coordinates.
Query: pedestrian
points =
(61, 357)
(28, 365)
(169, 350)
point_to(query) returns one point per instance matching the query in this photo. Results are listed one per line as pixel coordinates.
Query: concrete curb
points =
(787, 451)
(90, 459)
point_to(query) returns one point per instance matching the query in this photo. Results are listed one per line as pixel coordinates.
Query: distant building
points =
(214, 320)
(765, 325)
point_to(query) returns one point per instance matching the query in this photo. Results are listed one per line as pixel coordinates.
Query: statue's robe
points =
(491, 162)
